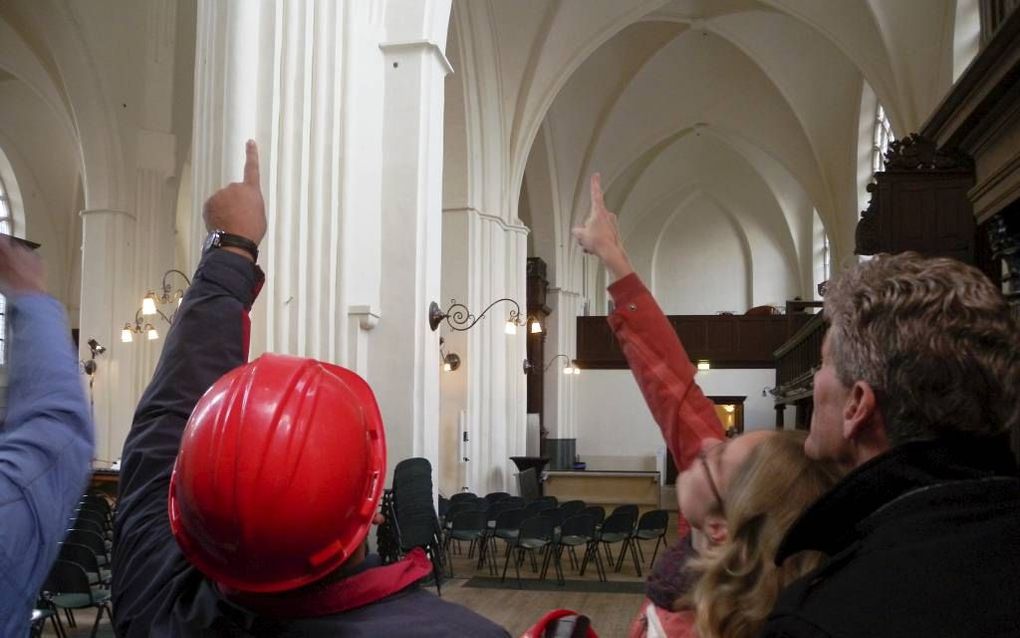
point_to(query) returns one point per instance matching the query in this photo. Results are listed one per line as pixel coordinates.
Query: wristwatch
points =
(221, 239)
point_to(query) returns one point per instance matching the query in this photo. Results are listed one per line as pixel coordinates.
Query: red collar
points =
(356, 591)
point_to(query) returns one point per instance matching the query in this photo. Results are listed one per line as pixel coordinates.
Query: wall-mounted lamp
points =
(704, 365)
(569, 368)
(458, 317)
(139, 326)
(451, 361)
(167, 295)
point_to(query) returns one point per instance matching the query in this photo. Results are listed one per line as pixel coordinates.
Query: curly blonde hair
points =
(739, 581)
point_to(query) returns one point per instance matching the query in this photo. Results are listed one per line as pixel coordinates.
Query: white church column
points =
(108, 278)
(560, 421)
(484, 259)
(352, 251)
(404, 356)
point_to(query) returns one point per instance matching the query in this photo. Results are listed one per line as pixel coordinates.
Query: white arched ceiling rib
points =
(820, 84)
(741, 101)
(95, 122)
(865, 36)
(585, 102)
(18, 59)
(662, 251)
(717, 169)
(480, 79)
(541, 185)
(574, 31)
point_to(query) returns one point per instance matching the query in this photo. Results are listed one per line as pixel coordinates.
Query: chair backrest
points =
(570, 508)
(629, 510)
(67, 578)
(537, 528)
(619, 523)
(444, 505)
(471, 520)
(81, 555)
(580, 525)
(496, 497)
(97, 517)
(417, 523)
(510, 519)
(527, 483)
(457, 508)
(536, 508)
(89, 539)
(461, 496)
(552, 500)
(515, 500)
(97, 503)
(88, 524)
(597, 512)
(654, 520)
(498, 508)
(555, 515)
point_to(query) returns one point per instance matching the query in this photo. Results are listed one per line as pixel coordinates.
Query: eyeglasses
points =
(703, 458)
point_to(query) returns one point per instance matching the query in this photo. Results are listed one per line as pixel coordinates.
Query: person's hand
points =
(21, 270)
(238, 208)
(600, 234)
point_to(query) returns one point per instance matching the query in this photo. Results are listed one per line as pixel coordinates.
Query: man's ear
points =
(863, 422)
(715, 529)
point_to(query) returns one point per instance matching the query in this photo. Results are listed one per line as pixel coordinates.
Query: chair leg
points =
(58, 625)
(558, 564)
(546, 557)
(639, 550)
(506, 563)
(71, 622)
(600, 569)
(99, 616)
(634, 555)
(656, 552)
(449, 555)
(623, 552)
(517, 565)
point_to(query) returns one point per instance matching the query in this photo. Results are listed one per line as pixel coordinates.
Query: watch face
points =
(212, 239)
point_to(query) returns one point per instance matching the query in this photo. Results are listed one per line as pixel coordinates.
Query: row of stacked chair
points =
(80, 578)
(549, 528)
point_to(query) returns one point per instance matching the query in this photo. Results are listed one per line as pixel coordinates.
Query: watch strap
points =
(222, 239)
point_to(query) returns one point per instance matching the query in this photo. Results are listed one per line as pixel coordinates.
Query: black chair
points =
(492, 518)
(507, 529)
(597, 512)
(652, 524)
(577, 531)
(460, 496)
(515, 500)
(91, 540)
(551, 500)
(67, 587)
(631, 510)
(495, 497)
(83, 556)
(465, 526)
(416, 521)
(536, 534)
(618, 528)
(536, 508)
(572, 508)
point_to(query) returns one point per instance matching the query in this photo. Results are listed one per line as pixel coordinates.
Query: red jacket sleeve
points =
(663, 371)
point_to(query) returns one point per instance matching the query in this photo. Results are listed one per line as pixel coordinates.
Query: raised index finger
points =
(251, 163)
(596, 192)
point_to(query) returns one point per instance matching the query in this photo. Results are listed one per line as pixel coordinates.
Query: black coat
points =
(156, 591)
(924, 541)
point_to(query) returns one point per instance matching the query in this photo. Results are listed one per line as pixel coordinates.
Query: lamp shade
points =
(511, 328)
(125, 334)
(148, 304)
(536, 327)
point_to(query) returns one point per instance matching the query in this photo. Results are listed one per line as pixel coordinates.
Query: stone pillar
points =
(352, 251)
(560, 400)
(484, 259)
(108, 281)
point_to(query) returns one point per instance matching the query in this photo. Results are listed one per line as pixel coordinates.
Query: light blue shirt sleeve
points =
(46, 446)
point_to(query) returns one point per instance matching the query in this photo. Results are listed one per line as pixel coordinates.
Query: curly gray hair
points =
(936, 341)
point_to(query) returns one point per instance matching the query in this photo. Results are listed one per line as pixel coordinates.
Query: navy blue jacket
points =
(45, 448)
(156, 592)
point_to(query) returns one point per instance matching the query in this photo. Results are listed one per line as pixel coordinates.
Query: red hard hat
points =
(279, 474)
